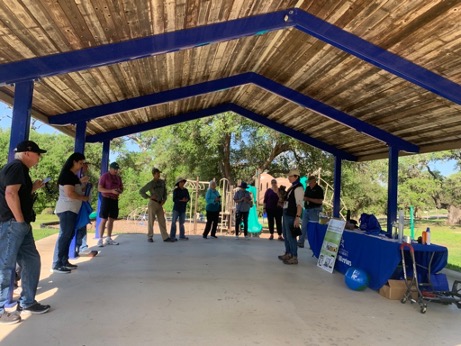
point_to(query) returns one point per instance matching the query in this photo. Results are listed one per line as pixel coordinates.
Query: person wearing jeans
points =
(71, 195)
(292, 209)
(17, 243)
(180, 199)
(313, 200)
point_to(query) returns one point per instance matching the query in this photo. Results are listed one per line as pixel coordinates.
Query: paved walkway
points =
(216, 292)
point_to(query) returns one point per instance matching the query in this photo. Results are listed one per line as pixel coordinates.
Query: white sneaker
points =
(84, 252)
(109, 241)
(236, 237)
(100, 243)
(247, 237)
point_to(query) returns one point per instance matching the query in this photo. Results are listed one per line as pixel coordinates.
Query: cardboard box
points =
(395, 289)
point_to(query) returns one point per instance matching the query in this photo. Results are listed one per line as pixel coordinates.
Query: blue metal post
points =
(20, 128)
(79, 146)
(337, 187)
(392, 188)
(20, 125)
(104, 168)
(80, 137)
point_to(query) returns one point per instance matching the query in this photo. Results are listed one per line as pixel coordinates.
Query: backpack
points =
(370, 224)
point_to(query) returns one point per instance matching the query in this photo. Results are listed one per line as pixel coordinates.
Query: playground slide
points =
(253, 222)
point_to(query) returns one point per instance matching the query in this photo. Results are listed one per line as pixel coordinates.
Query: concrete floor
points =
(216, 292)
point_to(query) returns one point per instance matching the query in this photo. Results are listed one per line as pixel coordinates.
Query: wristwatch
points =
(298, 215)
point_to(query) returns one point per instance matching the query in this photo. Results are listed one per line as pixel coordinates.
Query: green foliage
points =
(363, 188)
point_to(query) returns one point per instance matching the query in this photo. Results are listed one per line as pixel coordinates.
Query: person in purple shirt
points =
(273, 206)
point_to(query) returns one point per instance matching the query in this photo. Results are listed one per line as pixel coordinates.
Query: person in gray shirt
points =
(244, 202)
(155, 191)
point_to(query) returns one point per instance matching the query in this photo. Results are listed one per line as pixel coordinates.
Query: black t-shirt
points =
(16, 173)
(316, 192)
(68, 178)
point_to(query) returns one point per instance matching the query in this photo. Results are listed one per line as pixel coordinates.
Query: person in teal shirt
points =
(213, 207)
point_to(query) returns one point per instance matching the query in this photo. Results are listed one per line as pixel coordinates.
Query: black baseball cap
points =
(114, 165)
(156, 170)
(28, 146)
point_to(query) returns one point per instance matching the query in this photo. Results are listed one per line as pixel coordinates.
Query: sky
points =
(446, 168)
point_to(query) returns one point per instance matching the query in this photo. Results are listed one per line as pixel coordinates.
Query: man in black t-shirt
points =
(16, 240)
(313, 200)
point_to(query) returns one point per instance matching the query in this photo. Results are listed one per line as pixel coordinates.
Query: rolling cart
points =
(424, 292)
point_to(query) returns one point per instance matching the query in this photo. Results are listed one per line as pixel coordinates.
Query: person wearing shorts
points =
(110, 186)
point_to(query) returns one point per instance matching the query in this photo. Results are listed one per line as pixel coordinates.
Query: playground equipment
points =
(138, 215)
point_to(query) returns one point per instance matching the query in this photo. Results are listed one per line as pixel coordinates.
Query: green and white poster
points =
(330, 246)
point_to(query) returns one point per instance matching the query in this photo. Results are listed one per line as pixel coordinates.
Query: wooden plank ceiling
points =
(425, 32)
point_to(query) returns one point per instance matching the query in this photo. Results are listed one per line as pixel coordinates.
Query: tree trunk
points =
(225, 164)
(454, 215)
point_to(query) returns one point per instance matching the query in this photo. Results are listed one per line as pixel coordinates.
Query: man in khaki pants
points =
(155, 191)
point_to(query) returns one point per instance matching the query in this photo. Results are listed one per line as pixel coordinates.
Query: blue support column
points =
(392, 188)
(79, 146)
(20, 125)
(80, 137)
(20, 128)
(337, 187)
(104, 168)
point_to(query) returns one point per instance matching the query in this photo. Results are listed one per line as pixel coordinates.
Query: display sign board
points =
(330, 246)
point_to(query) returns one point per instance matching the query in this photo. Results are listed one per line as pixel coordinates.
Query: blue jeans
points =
(309, 215)
(17, 245)
(291, 245)
(80, 240)
(182, 218)
(67, 221)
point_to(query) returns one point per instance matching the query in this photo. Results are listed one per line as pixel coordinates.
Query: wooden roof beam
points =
(332, 113)
(375, 55)
(150, 100)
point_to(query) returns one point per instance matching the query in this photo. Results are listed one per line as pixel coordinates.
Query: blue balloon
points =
(356, 279)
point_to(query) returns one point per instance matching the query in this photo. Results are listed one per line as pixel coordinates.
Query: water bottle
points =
(428, 236)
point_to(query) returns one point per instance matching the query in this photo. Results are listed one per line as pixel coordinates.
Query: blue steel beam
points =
(84, 59)
(292, 133)
(107, 136)
(229, 82)
(150, 100)
(392, 188)
(337, 187)
(332, 113)
(217, 110)
(375, 55)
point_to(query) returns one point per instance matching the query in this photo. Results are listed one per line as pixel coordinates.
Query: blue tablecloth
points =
(378, 256)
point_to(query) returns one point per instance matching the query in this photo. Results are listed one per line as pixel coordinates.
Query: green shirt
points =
(157, 190)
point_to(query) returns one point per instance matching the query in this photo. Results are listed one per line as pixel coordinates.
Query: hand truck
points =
(413, 286)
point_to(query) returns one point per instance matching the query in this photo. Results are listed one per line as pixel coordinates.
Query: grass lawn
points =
(40, 233)
(441, 234)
